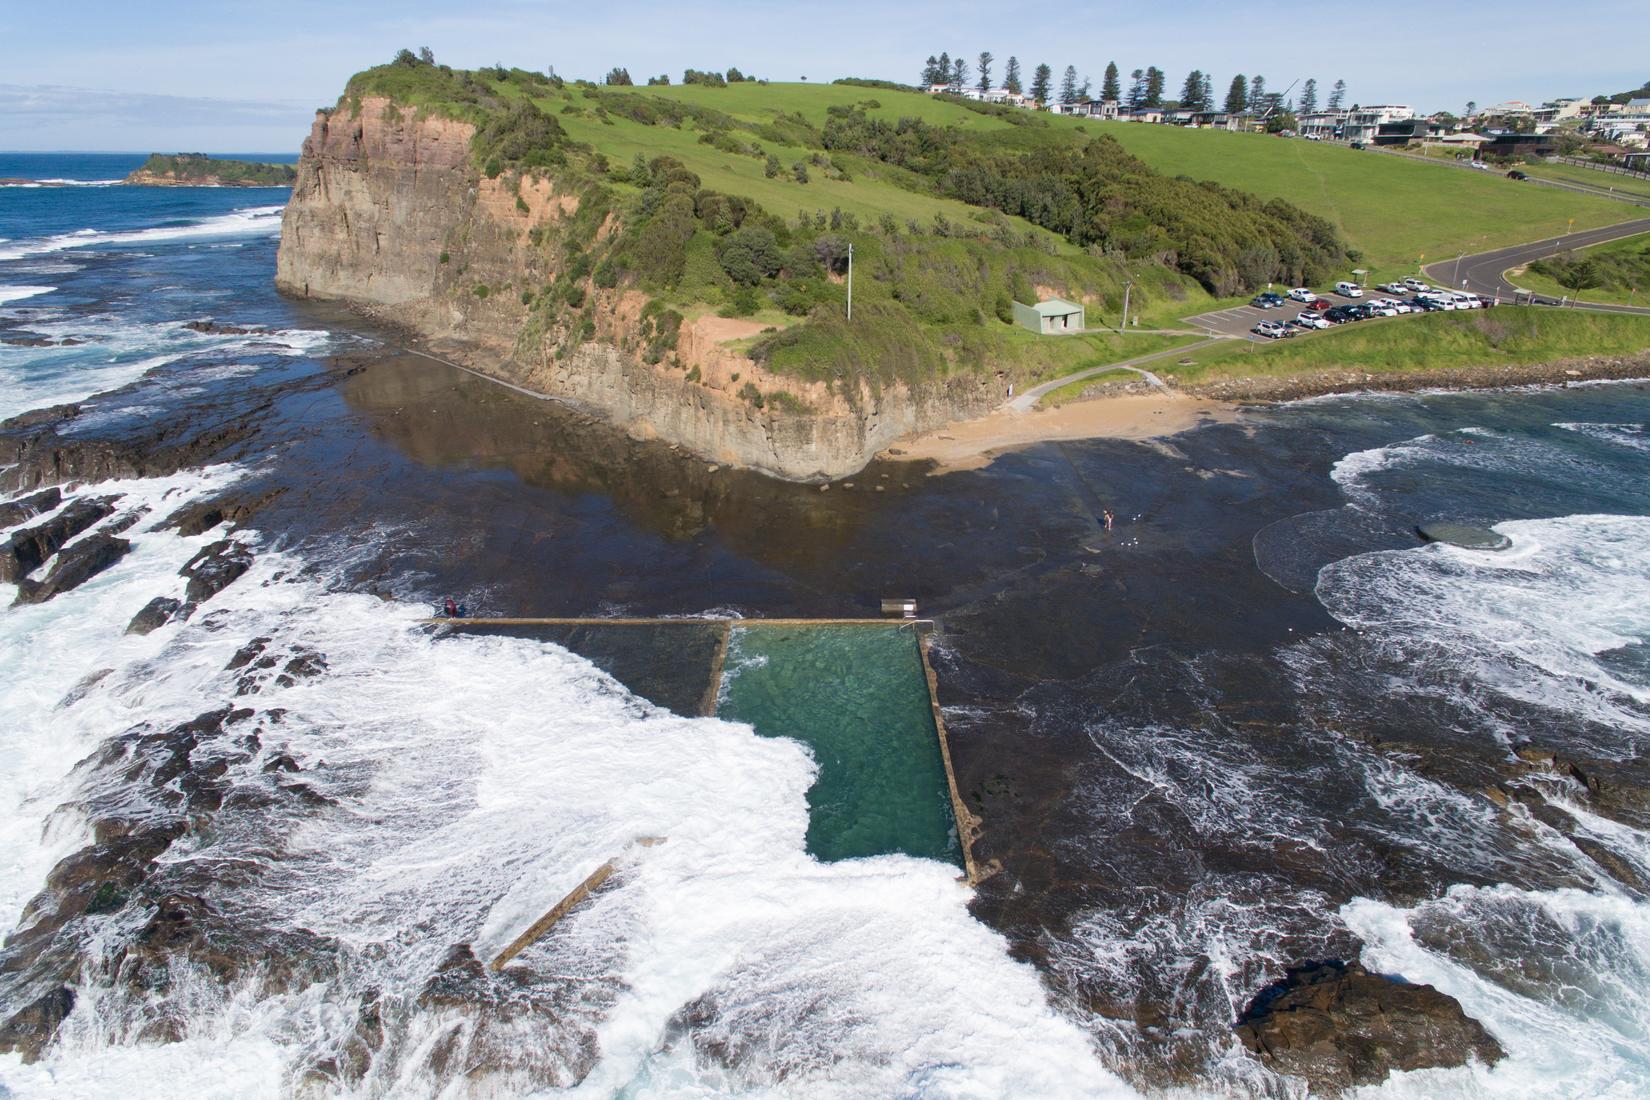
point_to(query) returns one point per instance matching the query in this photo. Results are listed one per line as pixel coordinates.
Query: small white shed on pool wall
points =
(1051, 316)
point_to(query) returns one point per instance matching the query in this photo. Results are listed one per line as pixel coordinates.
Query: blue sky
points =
(237, 75)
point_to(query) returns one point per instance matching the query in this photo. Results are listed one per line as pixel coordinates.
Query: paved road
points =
(1601, 191)
(1026, 401)
(1484, 273)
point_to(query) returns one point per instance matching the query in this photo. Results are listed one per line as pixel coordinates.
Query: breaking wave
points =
(248, 221)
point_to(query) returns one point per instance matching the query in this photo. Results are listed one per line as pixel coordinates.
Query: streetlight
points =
(850, 275)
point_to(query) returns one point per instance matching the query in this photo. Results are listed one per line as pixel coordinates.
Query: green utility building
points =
(1050, 317)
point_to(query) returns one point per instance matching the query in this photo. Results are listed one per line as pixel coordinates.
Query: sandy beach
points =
(970, 444)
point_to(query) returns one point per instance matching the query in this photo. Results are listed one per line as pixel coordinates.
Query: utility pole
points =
(850, 280)
(1128, 285)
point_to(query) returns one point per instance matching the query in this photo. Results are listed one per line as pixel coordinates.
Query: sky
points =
(243, 76)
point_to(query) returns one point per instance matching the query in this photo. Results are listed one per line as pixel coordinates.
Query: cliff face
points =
(390, 215)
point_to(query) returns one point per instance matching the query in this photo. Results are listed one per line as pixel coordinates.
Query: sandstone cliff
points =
(389, 214)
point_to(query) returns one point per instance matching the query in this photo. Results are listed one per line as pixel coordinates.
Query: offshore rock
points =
(215, 568)
(29, 1030)
(154, 615)
(13, 512)
(74, 567)
(1339, 1026)
(26, 550)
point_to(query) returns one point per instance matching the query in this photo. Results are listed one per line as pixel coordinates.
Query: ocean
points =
(1257, 723)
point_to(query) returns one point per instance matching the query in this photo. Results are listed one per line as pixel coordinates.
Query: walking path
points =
(1027, 401)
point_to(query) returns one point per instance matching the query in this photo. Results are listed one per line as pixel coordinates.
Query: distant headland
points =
(200, 170)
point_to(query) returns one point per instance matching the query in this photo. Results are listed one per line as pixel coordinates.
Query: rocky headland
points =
(200, 170)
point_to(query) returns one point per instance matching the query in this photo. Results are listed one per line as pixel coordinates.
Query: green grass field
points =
(1543, 284)
(1435, 341)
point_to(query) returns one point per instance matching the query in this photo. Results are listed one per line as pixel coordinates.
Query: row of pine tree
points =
(1146, 86)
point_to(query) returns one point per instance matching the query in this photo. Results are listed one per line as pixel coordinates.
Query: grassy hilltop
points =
(743, 200)
(198, 169)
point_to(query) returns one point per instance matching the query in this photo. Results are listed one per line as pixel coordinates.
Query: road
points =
(1602, 190)
(1484, 273)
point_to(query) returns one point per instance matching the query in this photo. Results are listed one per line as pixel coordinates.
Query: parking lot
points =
(1239, 321)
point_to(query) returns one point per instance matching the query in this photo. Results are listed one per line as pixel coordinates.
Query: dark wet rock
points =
(125, 522)
(87, 683)
(28, 341)
(201, 516)
(248, 653)
(305, 666)
(1619, 789)
(29, 1031)
(215, 568)
(1339, 1026)
(155, 614)
(281, 762)
(13, 512)
(75, 566)
(51, 414)
(219, 328)
(37, 455)
(26, 550)
(1612, 863)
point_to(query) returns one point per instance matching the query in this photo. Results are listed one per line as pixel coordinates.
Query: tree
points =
(1154, 87)
(426, 55)
(959, 75)
(1191, 92)
(1111, 87)
(618, 77)
(983, 67)
(1011, 78)
(1472, 108)
(1237, 96)
(1207, 103)
(405, 57)
(1083, 92)
(1309, 96)
(1257, 94)
(1068, 85)
(1337, 96)
(1040, 80)
(929, 69)
(736, 77)
(942, 69)
(1137, 88)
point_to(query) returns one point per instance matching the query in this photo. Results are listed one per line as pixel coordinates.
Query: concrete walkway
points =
(1027, 401)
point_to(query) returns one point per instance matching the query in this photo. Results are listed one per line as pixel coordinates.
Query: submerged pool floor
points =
(857, 696)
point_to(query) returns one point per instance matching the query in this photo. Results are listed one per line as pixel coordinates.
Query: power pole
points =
(850, 280)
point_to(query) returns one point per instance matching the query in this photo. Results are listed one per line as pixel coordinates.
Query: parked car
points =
(1379, 309)
(1425, 305)
(1393, 288)
(1271, 330)
(1515, 174)
(1310, 320)
(1301, 294)
(1468, 301)
(1320, 303)
(1416, 285)
(1393, 304)
(1340, 315)
(1349, 290)
(1267, 301)
(1312, 137)
(1357, 145)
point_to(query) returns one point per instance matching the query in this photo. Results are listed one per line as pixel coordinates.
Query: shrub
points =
(799, 172)
(750, 393)
(481, 290)
(743, 303)
(749, 255)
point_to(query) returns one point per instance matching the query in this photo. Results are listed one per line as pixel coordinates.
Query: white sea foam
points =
(1531, 623)
(1632, 436)
(18, 293)
(252, 220)
(475, 780)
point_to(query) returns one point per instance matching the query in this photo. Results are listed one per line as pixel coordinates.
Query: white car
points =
(1310, 320)
(1416, 286)
(1378, 309)
(1271, 330)
(1302, 295)
(1393, 304)
(1393, 288)
(1349, 290)
(1467, 301)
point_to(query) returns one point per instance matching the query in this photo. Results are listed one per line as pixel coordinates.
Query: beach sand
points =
(971, 444)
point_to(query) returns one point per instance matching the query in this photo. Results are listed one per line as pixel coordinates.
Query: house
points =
(1050, 317)
(1403, 131)
(1503, 143)
(1637, 162)
(1361, 124)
